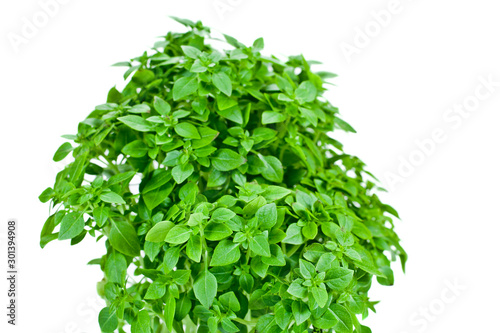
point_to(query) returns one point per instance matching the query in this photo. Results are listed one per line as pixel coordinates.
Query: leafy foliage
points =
(214, 176)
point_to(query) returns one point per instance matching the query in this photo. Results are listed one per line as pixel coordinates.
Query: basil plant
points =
(222, 196)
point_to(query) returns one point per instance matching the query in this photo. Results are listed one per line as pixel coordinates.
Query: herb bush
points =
(248, 216)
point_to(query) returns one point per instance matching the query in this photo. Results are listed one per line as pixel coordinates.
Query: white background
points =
(396, 89)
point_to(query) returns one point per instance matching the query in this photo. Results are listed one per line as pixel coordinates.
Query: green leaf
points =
(161, 106)
(187, 130)
(300, 312)
(338, 278)
(226, 160)
(320, 295)
(116, 267)
(306, 92)
(141, 323)
(259, 245)
(293, 235)
(267, 215)
(159, 232)
(62, 152)
(137, 123)
(184, 87)
(205, 288)
(222, 215)
(230, 301)
(223, 83)
(108, 321)
(194, 248)
(169, 313)
(123, 238)
(112, 197)
(136, 148)
(274, 193)
(272, 117)
(182, 172)
(101, 215)
(207, 135)
(71, 225)
(274, 169)
(190, 51)
(217, 231)
(225, 253)
(155, 290)
(178, 235)
(344, 324)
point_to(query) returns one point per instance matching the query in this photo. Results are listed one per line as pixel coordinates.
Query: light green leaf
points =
(259, 245)
(178, 235)
(187, 130)
(136, 148)
(226, 160)
(217, 231)
(159, 231)
(272, 117)
(274, 169)
(123, 238)
(182, 172)
(161, 106)
(136, 122)
(223, 83)
(184, 87)
(141, 323)
(71, 226)
(205, 288)
(225, 253)
(108, 321)
(112, 197)
(62, 152)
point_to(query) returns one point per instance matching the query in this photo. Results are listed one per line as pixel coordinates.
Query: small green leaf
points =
(217, 231)
(184, 87)
(226, 160)
(187, 130)
(300, 312)
(108, 321)
(112, 197)
(161, 106)
(62, 152)
(141, 323)
(136, 148)
(259, 245)
(223, 83)
(225, 253)
(272, 117)
(156, 290)
(137, 123)
(159, 232)
(190, 51)
(205, 288)
(71, 225)
(182, 172)
(274, 169)
(178, 235)
(267, 215)
(320, 295)
(123, 238)
(222, 215)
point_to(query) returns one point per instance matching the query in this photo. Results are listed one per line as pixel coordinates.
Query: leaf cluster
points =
(223, 199)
